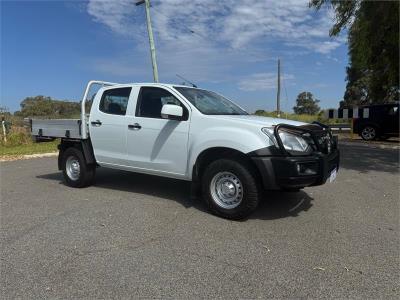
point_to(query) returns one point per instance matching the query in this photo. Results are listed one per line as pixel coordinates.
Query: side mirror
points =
(172, 112)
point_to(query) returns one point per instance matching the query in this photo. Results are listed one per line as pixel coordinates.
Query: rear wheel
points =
(75, 170)
(230, 188)
(369, 133)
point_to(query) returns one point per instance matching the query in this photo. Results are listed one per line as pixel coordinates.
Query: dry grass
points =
(19, 142)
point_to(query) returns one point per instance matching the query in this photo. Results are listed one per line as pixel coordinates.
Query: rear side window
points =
(115, 101)
(151, 101)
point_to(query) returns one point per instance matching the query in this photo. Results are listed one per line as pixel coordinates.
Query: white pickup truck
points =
(191, 134)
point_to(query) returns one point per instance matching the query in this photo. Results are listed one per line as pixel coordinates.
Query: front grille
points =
(325, 142)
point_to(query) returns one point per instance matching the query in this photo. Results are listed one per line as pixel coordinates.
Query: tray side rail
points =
(48, 129)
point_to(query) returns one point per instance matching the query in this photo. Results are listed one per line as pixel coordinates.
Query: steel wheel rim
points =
(73, 168)
(368, 133)
(226, 190)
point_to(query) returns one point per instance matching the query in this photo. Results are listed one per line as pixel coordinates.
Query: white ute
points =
(191, 134)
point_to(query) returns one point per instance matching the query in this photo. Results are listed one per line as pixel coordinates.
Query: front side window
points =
(393, 110)
(210, 103)
(151, 101)
(115, 101)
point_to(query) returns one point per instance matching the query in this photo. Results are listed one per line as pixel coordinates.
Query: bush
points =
(16, 137)
(301, 118)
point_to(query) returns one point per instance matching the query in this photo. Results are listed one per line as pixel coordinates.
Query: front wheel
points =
(75, 170)
(230, 188)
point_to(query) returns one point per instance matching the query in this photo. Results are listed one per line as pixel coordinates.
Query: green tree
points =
(4, 110)
(373, 39)
(41, 106)
(259, 112)
(306, 104)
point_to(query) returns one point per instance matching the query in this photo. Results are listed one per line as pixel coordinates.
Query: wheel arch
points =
(85, 146)
(372, 124)
(214, 153)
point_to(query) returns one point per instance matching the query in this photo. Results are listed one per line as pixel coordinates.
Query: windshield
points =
(210, 103)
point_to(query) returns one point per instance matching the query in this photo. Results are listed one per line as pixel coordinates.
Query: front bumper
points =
(281, 169)
(282, 172)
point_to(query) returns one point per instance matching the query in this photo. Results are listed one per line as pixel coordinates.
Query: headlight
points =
(291, 141)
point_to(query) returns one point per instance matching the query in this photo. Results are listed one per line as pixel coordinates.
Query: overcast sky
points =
(53, 48)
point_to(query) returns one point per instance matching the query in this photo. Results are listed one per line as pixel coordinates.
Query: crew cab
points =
(191, 134)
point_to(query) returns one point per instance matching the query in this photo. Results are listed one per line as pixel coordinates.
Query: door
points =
(155, 144)
(391, 120)
(108, 127)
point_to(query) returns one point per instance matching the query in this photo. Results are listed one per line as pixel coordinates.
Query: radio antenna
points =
(191, 83)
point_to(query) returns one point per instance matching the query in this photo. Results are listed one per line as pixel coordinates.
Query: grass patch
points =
(19, 142)
(30, 148)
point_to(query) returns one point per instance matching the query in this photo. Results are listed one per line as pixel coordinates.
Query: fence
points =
(340, 127)
(347, 113)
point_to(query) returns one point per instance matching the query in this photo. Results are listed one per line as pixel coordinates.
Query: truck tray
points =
(56, 128)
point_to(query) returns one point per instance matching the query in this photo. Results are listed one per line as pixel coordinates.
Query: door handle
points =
(96, 123)
(135, 126)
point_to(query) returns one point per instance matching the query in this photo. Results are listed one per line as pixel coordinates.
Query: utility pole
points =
(151, 38)
(278, 94)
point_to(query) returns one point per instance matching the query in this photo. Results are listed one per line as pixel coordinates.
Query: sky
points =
(53, 48)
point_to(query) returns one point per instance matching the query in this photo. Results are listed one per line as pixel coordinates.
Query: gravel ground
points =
(132, 236)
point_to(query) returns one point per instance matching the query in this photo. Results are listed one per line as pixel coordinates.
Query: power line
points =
(190, 30)
(208, 38)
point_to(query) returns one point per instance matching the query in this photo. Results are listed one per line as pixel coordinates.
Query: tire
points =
(230, 189)
(369, 133)
(75, 170)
